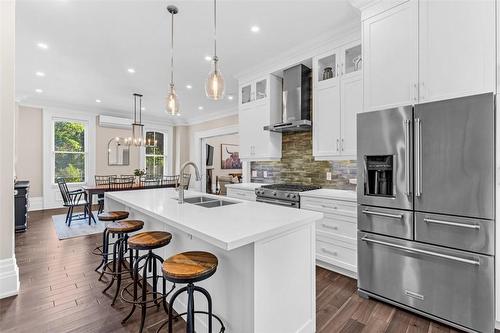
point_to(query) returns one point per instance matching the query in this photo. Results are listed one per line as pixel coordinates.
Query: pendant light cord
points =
(172, 53)
(215, 30)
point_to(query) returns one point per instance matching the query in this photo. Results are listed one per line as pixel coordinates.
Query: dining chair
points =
(121, 183)
(147, 181)
(170, 180)
(72, 199)
(102, 181)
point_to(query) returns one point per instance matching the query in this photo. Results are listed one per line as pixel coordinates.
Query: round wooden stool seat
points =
(124, 226)
(188, 267)
(113, 215)
(149, 240)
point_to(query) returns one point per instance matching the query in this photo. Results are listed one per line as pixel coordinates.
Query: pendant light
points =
(172, 102)
(137, 126)
(214, 87)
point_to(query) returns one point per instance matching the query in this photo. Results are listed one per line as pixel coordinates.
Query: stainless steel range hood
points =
(296, 115)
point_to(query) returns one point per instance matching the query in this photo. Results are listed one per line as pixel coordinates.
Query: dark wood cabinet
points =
(21, 204)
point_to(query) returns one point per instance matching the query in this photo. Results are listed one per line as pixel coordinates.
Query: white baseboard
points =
(9, 277)
(337, 269)
(36, 203)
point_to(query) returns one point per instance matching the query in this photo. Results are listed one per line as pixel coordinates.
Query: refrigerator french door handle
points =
(394, 216)
(420, 251)
(407, 156)
(418, 157)
(453, 224)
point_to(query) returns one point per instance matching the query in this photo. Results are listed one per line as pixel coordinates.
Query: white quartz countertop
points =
(245, 186)
(327, 193)
(227, 227)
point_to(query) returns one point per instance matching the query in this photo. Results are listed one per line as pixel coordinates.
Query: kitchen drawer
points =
(347, 208)
(338, 251)
(241, 194)
(338, 224)
(392, 222)
(450, 284)
(457, 232)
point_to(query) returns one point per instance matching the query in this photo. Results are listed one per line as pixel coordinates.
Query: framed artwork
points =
(230, 156)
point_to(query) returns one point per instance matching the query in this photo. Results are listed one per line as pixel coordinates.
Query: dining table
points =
(91, 190)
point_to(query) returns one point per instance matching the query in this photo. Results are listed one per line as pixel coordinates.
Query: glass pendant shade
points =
(214, 87)
(172, 102)
(137, 134)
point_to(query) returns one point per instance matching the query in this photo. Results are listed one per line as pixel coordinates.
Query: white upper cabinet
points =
(259, 106)
(457, 48)
(390, 57)
(337, 98)
(427, 50)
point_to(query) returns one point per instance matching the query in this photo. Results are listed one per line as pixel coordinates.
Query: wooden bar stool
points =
(146, 241)
(190, 267)
(102, 250)
(120, 248)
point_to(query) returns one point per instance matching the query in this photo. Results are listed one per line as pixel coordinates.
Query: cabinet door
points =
(246, 133)
(390, 57)
(260, 137)
(457, 48)
(326, 122)
(246, 93)
(351, 91)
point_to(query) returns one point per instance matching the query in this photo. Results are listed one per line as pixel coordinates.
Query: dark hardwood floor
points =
(60, 293)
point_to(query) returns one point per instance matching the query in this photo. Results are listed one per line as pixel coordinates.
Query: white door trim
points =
(198, 154)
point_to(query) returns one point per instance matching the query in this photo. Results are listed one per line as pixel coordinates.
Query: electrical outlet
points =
(265, 174)
(254, 173)
(328, 176)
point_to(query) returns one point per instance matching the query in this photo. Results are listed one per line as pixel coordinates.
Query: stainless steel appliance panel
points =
(392, 222)
(455, 156)
(386, 133)
(453, 285)
(457, 232)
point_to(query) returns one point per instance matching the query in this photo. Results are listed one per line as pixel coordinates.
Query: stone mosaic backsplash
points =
(297, 165)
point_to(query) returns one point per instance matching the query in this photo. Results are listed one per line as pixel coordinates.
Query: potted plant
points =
(139, 173)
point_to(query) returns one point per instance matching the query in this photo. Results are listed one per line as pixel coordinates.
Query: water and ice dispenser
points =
(380, 175)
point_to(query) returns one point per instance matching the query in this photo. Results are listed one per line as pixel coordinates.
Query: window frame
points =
(166, 150)
(85, 152)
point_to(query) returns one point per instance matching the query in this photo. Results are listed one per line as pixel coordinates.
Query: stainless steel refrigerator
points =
(426, 209)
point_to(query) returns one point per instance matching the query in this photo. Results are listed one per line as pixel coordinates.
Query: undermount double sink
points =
(208, 202)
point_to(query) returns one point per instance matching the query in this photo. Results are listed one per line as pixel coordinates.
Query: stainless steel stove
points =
(283, 194)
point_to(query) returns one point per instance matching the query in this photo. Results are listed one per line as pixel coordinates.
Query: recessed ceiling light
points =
(42, 45)
(41, 74)
(189, 86)
(38, 91)
(131, 70)
(143, 108)
(98, 101)
(254, 28)
(200, 107)
(230, 97)
(208, 58)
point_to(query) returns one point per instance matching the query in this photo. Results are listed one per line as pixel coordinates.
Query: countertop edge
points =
(323, 194)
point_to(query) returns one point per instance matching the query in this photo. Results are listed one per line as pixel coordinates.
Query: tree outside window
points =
(69, 151)
(155, 154)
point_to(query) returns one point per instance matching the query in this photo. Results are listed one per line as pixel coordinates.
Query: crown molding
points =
(322, 43)
(44, 103)
(212, 116)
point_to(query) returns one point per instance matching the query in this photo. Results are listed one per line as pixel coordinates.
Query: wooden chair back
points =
(121, 183)
(170, 180)
(103, 180)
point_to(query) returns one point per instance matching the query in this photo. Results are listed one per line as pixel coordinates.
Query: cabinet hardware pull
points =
(333, 227)
(342, 144)
(394, 216)
(337, 144)
(453, 224)
(334, 253)
(420, 251)
(415, 92)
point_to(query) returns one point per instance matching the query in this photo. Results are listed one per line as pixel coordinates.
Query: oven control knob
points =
(293, 196)
(274, 193)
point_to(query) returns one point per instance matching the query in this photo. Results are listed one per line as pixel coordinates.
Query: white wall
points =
(9, 275)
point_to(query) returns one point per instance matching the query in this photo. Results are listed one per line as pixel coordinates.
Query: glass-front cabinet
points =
(253, 91)
(352, 59)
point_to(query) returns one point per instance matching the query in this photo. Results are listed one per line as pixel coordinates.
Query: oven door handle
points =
(394, 216)
(278, 202)
(420, 251)
(453, 224)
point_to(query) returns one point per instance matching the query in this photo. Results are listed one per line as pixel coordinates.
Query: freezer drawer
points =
(454, 285)
(397, 223)
(457, 232)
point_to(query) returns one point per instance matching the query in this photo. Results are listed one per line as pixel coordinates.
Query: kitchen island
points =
(265, 281)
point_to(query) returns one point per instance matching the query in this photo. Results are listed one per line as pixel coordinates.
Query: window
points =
(69, 150)
(156, 157)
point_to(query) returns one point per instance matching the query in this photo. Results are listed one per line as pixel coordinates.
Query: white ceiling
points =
(93, 43)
